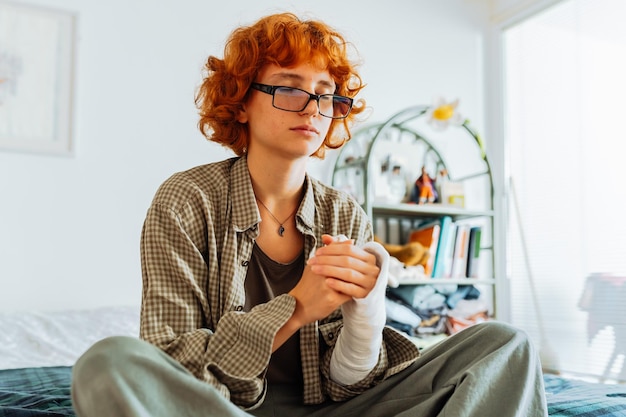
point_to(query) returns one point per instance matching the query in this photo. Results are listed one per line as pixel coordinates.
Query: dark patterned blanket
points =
(45, 392)
(36, 392)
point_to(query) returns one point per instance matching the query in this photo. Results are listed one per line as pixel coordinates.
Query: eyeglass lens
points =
(293, 99)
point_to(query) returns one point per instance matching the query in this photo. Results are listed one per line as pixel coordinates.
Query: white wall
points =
(70, 226)
(506, 12)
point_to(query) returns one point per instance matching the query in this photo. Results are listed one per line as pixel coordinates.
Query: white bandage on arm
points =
(358, 345)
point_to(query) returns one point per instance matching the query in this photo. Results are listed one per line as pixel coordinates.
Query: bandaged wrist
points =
(358, 346)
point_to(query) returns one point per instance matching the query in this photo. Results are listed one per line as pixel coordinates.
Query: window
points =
(565, 100)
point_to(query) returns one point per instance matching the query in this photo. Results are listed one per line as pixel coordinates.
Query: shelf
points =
(370, 165)
(434, 210)
(438, 281)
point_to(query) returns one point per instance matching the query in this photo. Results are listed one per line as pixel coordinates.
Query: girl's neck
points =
(277, 182)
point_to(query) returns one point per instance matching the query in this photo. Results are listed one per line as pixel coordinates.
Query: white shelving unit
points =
(407, 142)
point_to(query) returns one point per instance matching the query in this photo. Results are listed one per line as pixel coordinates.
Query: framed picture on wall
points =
(37, 47)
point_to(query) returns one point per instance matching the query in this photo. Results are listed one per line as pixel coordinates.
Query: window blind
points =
(565, 103)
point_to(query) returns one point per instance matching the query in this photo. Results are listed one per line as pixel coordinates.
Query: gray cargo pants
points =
(487, 370)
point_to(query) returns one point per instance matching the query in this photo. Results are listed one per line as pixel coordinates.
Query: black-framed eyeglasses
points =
(295, 100)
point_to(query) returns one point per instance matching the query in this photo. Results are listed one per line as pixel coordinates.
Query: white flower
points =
(443, 114)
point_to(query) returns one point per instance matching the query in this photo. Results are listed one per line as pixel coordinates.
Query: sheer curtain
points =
(565, 107)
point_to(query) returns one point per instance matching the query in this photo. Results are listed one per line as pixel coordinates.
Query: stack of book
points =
(454, 248)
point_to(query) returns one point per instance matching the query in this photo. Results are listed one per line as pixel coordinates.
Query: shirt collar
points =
(245, 212)
(306, 213)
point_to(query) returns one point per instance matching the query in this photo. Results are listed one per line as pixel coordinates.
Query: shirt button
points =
(244, 263)
(239, 308)
(331, 335)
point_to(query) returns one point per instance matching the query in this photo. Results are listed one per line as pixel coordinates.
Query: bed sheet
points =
(35, 339)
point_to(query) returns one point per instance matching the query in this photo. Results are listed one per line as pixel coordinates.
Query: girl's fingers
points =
(348, 269)
(347, 288)
(365, 278)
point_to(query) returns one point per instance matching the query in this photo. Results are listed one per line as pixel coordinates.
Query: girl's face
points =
(291, 134)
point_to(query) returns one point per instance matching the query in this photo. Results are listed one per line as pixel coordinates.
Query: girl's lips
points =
(306, 128)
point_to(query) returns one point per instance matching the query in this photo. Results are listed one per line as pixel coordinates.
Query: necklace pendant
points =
(281, 230)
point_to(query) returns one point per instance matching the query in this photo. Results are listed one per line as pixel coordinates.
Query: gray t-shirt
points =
(265, 280)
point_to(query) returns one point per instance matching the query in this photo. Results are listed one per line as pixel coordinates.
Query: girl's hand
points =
(315, 298)
(348, 269)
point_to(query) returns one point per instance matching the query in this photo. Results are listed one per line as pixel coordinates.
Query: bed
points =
(37, 351)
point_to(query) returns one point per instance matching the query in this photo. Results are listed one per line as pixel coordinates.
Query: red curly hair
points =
(283, 40)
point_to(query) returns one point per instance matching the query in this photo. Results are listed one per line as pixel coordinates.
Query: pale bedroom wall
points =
(69, 226)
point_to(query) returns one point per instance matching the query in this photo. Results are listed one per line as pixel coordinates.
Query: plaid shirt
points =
(196, 242)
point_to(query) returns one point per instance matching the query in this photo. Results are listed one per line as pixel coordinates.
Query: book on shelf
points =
(460, 255)
(473, 258)
(443, 247)
(428, 236)
(449, 251)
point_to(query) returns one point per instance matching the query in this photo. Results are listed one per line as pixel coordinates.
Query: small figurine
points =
(424, 190)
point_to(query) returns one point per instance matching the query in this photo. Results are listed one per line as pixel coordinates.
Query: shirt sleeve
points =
(176, 312)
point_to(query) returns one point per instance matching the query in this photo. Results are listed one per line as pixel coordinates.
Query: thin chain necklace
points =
(281, 227)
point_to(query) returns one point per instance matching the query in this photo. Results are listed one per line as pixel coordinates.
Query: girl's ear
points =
(242, 115)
